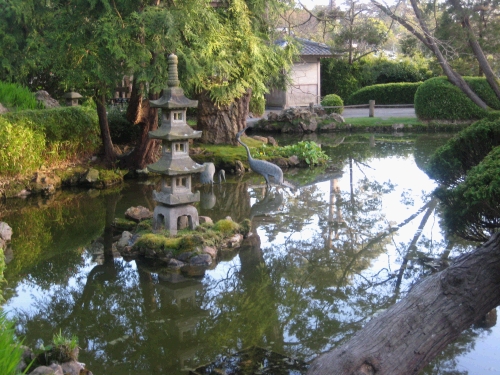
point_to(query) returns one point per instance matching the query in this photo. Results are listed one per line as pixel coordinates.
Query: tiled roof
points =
(310, 48)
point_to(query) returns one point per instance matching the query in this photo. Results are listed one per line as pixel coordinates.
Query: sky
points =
(311, 3)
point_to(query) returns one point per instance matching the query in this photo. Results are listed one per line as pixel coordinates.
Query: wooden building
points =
(306, 78)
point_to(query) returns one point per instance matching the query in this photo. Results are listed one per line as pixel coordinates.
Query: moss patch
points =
(124, 224)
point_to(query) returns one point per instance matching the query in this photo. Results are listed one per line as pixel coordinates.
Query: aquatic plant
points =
(10, 348)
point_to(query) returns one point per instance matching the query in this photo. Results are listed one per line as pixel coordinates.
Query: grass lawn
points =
(377, 121)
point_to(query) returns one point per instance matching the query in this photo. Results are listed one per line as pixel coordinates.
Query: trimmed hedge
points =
(389, 93)
(29, 139)
(438, 99)
(333, 100)
(452, 161)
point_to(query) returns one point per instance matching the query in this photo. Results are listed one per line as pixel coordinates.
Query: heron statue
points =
(262, 167)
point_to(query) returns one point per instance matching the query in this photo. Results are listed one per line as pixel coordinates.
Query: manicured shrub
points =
(333, 100)
(389, 93)
(17, 97)
(34, 137)
(452, 161)
(471, 209)
(438, 99)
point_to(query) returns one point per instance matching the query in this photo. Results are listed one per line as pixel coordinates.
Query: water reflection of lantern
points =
(175, 165)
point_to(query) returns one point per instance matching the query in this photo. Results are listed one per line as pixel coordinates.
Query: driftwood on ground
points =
(407, 336)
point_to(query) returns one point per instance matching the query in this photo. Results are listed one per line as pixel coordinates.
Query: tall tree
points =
(423, 32)
(225, 52)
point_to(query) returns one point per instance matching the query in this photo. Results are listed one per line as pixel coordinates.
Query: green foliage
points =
(333, 100)
(307, 151)
(438, 99)
(257, 105)
(389, 93)
(10, 348)
(341, 78)
(21, 148)
(121, 130)
(472, 208)
(65, 348)
(391, 71)
(16, 97)
(34, 137)
(451, 162)
(2, 278)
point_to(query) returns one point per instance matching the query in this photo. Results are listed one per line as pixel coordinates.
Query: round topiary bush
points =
(333, 100)
(438, 99)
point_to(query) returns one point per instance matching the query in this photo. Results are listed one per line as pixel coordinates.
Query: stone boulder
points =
(53, 369)
(45, 183)
(124, 241)
(5, 231)
(138, 213)
(3, 109)
(46, 100)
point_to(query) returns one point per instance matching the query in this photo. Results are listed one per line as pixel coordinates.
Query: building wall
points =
(305, 86)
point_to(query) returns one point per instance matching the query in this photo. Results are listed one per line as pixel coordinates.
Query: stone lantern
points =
(175, 165)
(72, 98)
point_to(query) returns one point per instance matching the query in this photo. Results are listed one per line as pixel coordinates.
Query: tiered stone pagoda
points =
(175, 165)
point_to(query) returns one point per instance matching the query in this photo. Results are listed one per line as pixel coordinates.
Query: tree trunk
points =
(220, 124)
(109, 151)
(140, 113)
(407, 336)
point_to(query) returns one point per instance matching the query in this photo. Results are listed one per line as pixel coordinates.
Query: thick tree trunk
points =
(407, 336)
(140, 113)
(220, 124)
(109, 151)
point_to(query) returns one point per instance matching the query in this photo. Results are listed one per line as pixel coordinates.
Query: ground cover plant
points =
(307, 151)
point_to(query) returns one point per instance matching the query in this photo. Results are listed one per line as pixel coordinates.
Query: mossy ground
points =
(206, 234)
(224, 156)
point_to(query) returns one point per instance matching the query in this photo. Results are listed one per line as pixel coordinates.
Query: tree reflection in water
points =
(319, 263)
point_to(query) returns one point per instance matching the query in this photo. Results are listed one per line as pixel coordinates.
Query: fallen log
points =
(408, 335)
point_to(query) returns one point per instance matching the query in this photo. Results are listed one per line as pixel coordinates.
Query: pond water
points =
(321, 261)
